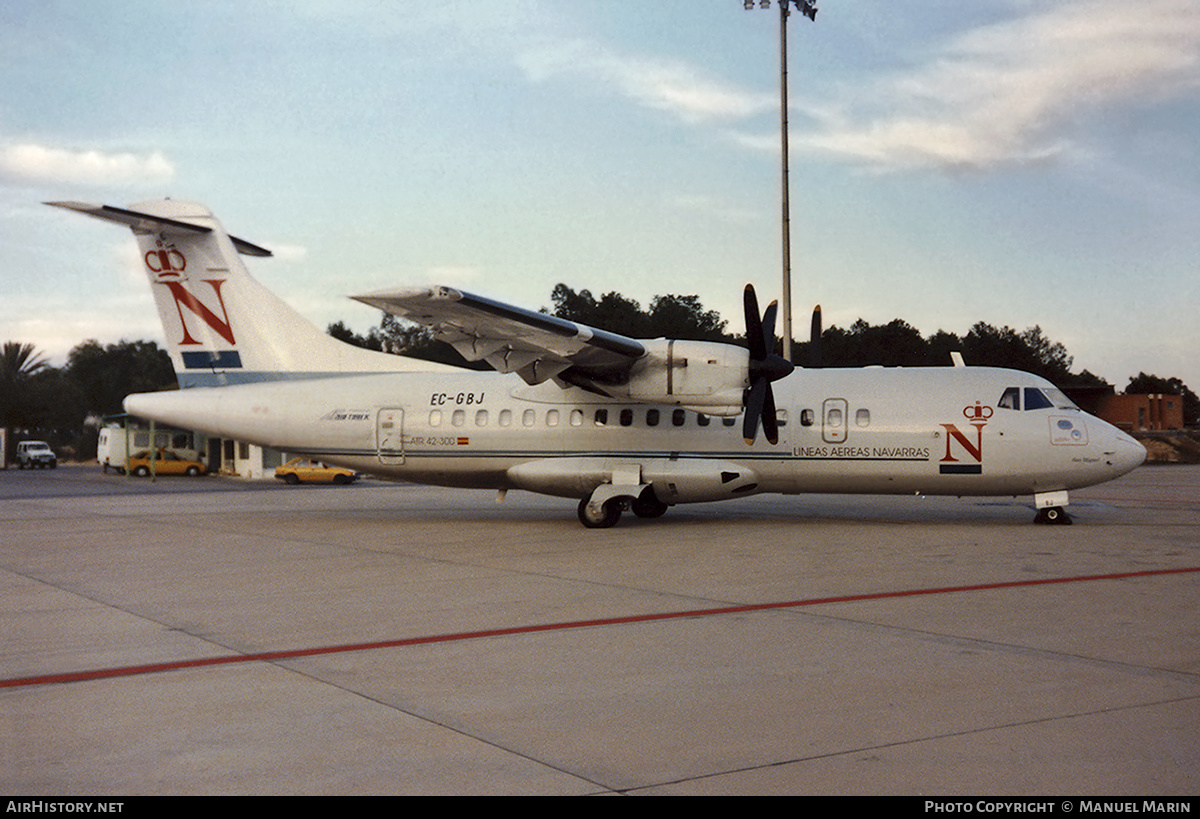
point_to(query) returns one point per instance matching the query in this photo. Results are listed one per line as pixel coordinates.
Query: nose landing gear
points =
(1053, 515)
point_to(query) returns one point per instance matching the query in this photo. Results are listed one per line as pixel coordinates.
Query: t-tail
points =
(222, 326)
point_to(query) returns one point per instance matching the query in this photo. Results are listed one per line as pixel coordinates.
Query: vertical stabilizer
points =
(222, 326)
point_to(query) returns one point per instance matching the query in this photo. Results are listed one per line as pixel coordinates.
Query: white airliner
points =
(616, 422)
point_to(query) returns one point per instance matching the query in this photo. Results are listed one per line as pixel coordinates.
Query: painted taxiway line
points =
(271, 656)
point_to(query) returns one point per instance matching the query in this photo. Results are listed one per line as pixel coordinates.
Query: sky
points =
(1018, 162)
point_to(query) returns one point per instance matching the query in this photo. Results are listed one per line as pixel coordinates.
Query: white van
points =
(35, 453)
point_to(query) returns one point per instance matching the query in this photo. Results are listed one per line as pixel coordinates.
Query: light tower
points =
(809, 10)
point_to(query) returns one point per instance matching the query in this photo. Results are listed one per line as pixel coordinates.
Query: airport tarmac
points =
(211, 636)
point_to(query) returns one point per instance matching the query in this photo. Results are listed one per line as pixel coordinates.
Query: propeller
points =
(814, 340)
(765, 367)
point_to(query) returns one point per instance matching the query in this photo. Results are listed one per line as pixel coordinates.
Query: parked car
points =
(306, 470)
(166, 463)
(35, 453)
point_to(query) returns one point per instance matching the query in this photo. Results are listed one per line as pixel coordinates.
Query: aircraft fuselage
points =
(873, 430)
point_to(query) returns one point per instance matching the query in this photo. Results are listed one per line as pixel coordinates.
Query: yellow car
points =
(306, 470)
(166, 463)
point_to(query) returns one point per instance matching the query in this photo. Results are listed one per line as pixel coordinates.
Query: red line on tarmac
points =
(268, 656)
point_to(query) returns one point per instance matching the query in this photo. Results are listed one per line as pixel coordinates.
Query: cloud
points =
(1011, 93)
(673, 86)
(713, 208)
(30, 163)
(287, 252)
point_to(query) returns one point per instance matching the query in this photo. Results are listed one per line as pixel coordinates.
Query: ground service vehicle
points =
(35, 453)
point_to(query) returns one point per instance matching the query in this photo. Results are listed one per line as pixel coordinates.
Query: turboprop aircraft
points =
(579, 412)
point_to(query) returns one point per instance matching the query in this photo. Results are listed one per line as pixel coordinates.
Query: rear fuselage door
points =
(389, 436)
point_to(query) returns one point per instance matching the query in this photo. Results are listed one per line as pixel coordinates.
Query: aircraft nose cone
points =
(1126, 455)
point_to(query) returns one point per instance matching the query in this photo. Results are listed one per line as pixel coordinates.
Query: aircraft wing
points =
(536, 346)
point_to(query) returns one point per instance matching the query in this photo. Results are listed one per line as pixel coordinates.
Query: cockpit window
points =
(1047, 397)
(1035, 399)
(1059, 399)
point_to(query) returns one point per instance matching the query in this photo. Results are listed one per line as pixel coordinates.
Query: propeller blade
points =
(769, 420)
(755, 399)
(754, 326)
(814, 340)
(768, 328)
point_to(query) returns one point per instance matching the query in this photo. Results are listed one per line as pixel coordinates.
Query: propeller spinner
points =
(765, 367)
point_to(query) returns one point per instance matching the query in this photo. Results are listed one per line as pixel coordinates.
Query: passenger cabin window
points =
(626, 417)
(458, 418)
(528, 417)
(435, 418)
(863, 418)
(652, 417)
(678, 417)
(576, 418)
(552, 418)
(481, 418)
(703, 420)
(601, 417)
(506, 418)
(807, 418)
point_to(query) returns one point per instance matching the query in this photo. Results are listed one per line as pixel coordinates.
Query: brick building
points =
(1142, 413)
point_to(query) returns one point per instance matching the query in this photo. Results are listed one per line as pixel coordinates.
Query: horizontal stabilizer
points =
(149, 223)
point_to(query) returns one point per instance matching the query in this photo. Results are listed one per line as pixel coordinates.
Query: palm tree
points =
(18, 361)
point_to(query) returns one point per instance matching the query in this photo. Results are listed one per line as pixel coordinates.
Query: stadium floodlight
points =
(809, 10)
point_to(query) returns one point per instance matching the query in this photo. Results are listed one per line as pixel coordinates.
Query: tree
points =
(674, 316)
(20, 361)
(399, 337)
(371, 341)
(105, 374)
(669, 316)
(895, 344)
(1029, 351)
(20, 365)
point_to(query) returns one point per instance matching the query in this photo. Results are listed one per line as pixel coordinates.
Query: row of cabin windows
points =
(625, 417)
(576, 418)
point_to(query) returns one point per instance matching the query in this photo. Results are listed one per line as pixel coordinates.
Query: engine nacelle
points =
(705, 376)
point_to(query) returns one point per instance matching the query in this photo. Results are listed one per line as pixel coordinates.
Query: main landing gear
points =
(598, 512)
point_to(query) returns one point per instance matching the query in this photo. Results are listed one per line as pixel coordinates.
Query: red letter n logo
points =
(184, 298)
(950, 465)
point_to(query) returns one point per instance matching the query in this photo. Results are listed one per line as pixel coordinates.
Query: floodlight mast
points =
(809, 10)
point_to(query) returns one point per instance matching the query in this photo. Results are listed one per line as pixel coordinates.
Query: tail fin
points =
(222, 326)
